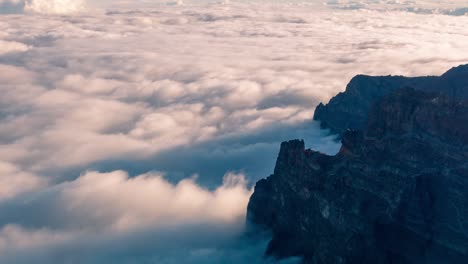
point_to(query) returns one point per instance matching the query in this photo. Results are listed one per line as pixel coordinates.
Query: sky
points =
(134, 131)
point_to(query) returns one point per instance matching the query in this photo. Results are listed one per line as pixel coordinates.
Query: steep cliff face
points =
(350, 109)
(397, 192)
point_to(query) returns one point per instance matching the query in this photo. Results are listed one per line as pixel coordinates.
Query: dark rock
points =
(397, 192)
(349, 109)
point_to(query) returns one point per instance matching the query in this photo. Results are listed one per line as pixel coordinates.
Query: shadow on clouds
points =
(254, 155)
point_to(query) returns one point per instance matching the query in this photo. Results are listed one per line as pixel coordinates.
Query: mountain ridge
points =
(396, 192)
(349, 109)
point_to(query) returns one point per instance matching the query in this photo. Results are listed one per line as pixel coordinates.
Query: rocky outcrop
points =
(397, 191)
(350, 108)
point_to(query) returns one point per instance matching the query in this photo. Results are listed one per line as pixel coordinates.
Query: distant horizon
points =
(448, 7)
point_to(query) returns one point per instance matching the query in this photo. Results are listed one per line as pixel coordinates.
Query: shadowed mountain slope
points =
(397, 192)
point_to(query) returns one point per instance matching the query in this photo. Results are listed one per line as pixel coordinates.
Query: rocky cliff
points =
(350, 108)
(397, 191)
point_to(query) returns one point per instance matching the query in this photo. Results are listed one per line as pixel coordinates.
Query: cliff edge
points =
(397, 191)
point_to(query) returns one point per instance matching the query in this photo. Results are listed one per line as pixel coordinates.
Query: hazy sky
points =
(133, 131)
(68, 6)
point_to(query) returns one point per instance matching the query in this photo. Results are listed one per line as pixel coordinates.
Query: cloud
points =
(42, 6)
(54, 6)
(11, 46)
(113, 201)
(199, 244)
(224, 79)
(13, 181)
(102, 217)
(427, 7)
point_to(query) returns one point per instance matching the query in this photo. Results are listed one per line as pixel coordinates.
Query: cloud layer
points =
(42, 6)
(447, 7)
(54, 6)
(113, 203)
(109, 217)
(135, 134)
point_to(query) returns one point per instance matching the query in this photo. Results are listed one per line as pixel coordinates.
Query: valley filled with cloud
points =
(134, 131)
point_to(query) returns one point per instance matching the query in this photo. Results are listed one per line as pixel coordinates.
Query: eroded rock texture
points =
(397, 192)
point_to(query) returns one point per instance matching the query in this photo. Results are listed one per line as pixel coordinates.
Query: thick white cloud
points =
(42, 6)
(55, 6)
(106, 214)
(13, 181)
(114, 202)
(11, 46)
(157, 79)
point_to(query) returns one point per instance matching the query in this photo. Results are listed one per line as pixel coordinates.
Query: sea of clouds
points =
(134, 131)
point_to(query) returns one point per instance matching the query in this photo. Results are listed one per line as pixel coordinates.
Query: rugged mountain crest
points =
(350, 109)
(397, 192)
